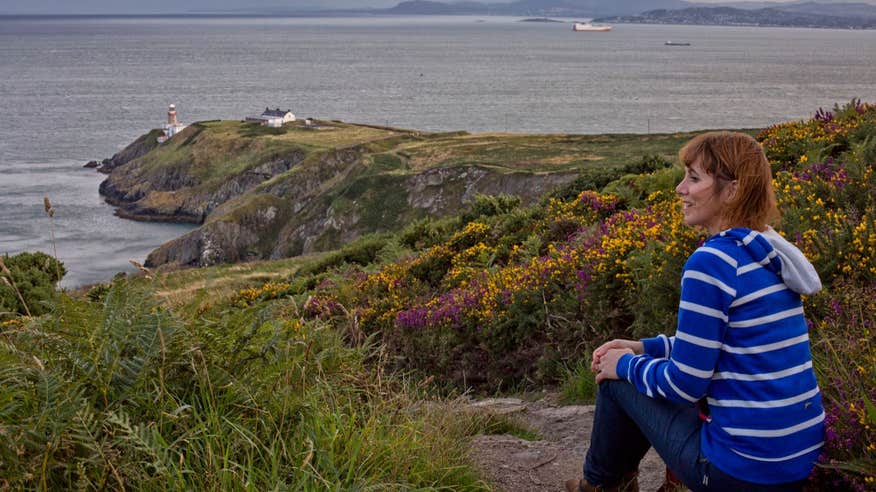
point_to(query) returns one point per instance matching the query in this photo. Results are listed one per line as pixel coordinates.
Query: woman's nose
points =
(680, 188)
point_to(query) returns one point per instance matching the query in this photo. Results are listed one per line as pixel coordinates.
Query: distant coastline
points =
(700, 16)
(542, 19)
(728, 16)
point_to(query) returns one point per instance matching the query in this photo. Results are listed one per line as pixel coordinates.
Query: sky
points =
(175, 6)
(183, 6)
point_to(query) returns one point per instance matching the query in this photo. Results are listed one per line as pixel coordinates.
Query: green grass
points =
(212, 152)
(579, 384)
(505, 424)
(128, 394)
(541, 153)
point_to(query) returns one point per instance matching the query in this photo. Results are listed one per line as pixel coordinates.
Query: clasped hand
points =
(606, 356)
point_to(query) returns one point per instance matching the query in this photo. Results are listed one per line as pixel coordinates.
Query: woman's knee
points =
(617, 390)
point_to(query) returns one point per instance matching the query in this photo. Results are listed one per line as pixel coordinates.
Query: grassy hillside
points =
(336, 371)
(335, 181)
(217, 150)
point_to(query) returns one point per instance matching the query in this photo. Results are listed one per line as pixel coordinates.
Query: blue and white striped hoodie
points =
(742, 344)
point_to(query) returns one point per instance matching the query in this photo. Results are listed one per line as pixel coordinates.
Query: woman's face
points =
(701, 203)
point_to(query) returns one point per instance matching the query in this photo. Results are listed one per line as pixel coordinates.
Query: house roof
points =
(275, 112)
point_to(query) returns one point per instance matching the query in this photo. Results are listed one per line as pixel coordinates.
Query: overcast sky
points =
(183, 6)
(175, 6)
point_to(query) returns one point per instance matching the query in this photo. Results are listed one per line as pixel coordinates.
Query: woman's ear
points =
(729, 191)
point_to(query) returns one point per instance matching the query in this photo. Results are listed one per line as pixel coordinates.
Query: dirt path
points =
(515, 465)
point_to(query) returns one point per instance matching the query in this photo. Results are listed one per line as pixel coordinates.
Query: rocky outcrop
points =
(173, 194)
(433, 193)
(136, 149)
(270, 193)
(317, 174)
(438, 189)
(248, 228)
(241, 236)
(292, 216)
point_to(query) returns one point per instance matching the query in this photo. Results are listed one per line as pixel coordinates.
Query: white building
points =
(172, 127)
(271, 121)
(286, 115)
(274, 118)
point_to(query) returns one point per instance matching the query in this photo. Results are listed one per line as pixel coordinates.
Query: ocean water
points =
(77, 89)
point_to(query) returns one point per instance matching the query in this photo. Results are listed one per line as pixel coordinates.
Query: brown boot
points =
(629, 483)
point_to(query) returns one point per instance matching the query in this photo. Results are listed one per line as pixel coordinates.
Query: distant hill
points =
(804, 16)
(557, 8)
(833, 9)
(561, 8)
(425, 7)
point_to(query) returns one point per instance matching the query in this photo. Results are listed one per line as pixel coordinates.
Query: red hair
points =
(731, 156)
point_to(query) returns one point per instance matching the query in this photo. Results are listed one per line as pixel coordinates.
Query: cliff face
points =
(173, 194)
(263, 193)
(264, 226)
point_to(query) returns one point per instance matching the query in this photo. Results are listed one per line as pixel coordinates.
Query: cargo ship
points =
(586, 26)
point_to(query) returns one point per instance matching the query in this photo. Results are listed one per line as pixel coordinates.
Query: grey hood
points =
(797, 273)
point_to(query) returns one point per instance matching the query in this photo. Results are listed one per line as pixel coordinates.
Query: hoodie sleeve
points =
(658, 347)
(707, 289)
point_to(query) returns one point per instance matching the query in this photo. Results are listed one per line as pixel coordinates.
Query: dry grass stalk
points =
(50, 211)
(7, 279)
(145, 271)
(149, 274)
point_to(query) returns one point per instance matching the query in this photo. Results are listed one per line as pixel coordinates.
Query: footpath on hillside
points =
(512, 464)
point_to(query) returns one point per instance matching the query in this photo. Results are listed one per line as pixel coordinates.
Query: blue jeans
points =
(627, 423)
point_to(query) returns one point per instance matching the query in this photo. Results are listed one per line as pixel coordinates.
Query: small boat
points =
(586, 26)
(674, 43)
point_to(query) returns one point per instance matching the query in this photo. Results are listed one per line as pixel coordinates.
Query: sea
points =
(75, 89)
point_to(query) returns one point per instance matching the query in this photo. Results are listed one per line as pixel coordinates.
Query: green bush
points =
(489, 206)
(594, 178)
(633, 189)
(597, 178)
(31, 278)
(362, 251)
(425, 233)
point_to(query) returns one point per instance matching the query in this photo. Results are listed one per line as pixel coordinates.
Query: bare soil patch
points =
(516, 465)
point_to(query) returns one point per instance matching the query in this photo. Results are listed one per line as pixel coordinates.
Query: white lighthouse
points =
(172, 127)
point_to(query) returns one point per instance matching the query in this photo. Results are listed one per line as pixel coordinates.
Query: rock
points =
(499, 406)
(91, 164)
(136, 149)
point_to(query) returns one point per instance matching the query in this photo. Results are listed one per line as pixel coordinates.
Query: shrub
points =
(425, 233)
(596, 178)
(98, 293)
(634, 189)
(844, 357)
(489, 205)
(363, 251)
(28, 283)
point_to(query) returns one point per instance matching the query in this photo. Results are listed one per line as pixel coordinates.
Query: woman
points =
(731, 401)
